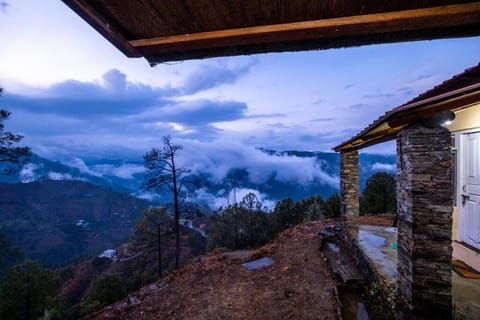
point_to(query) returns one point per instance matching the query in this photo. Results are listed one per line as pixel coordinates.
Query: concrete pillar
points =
(349, 186)
(425, 200)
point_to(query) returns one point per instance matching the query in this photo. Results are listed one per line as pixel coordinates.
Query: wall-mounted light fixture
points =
(443, 118)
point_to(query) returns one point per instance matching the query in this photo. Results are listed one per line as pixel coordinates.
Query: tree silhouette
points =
(162, 172)
(7, 253)
(332, 206)
(12, 157)
(286, 214)
(153, 226)
(379, 195)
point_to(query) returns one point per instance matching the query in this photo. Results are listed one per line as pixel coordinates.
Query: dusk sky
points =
(71, 93)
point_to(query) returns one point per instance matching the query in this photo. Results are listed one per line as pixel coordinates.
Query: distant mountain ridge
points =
(127, 176)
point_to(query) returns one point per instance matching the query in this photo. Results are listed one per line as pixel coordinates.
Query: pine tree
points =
(12, 157)
(162, 172)
(379, 195)
(26, 291)
(152, 228)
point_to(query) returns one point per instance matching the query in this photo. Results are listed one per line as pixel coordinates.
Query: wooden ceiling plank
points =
(101, 24)
(450, 15)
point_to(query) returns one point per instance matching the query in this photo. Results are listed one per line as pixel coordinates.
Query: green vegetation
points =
(379, 195)
(249, 226)
(27, 292)
(12, 157)
(332, 206)
(151, 229)
(239, 228)
(381, 301)
(7, 254)
(106, 289)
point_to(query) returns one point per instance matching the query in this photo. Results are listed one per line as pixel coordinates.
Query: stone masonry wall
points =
(349, 186)
(424, 197)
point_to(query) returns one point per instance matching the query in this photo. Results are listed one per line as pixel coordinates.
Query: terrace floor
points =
(379, 243)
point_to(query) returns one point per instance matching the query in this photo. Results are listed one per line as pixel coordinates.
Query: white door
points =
(470, 193)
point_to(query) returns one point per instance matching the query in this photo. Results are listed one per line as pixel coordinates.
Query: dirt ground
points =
(299, 285)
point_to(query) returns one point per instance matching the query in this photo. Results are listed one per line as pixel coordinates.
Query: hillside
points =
(299, 285)
(57, 222)
(136, 264)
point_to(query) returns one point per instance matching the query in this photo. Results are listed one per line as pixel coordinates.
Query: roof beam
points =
(405, 20)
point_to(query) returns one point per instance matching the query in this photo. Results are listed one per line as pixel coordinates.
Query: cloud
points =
(82, 166)
(115, 104)
(308, 137)
(406, 91)
(27, 174)
(59, 176)
(208, 76)
(4, 5)
(378, 95)
(358, 106)
(423, 76)
(266, 116)
(124, 171)
(199, 112)
(323, 120)
(384, 167)
(113, 96)
(279, 125)
(217, 158)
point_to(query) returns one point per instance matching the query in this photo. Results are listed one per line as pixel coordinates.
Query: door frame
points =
(460, 145)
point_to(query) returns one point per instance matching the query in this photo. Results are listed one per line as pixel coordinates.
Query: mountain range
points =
(277, 177)
(61, 211)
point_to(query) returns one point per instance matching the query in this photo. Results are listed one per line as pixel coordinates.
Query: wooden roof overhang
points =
(162, 30)
(457, 93)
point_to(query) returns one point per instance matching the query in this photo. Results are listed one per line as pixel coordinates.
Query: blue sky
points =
(71, 93)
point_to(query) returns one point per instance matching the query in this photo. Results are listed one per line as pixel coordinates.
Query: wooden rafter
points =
(405, 20)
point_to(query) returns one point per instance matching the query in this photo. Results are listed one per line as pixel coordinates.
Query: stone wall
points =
(425, 200)
(349, 186)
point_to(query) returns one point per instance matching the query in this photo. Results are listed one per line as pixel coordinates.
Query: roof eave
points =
(401, 117)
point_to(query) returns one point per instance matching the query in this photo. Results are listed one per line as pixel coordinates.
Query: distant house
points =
(81, 223)
(109, 254)
(438, 188)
